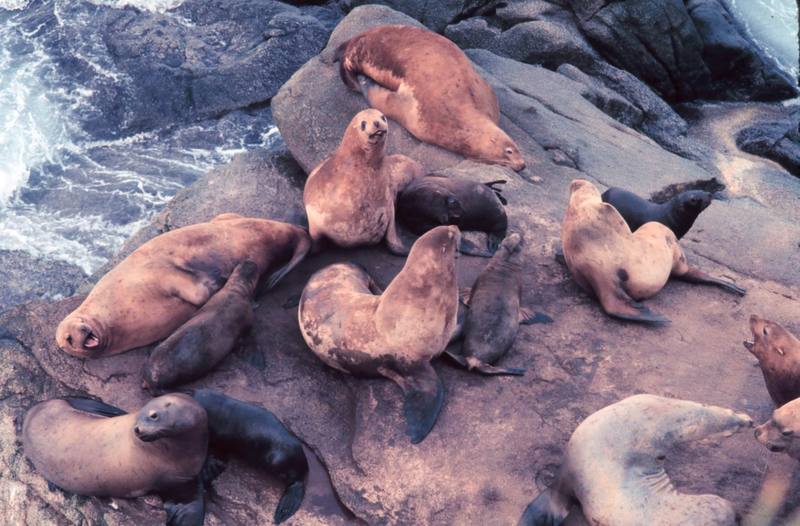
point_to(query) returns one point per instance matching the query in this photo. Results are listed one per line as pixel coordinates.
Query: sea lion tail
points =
(540, 512)
(290, 501)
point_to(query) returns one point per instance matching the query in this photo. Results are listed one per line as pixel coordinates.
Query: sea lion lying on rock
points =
(679, 213)
(350, 197)
(427, 84)
(433, 200)
(90, 448)
(621, 266)
(164, 282)
(780, 433)
(353, 327)
(778, 353)
(613, 466)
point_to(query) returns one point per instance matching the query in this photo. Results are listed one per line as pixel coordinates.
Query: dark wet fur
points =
(676, 214)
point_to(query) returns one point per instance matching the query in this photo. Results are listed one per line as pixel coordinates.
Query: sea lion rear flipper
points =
(96, 407)
(185, 505)
(498, 191)
(695, 275)
(618, 304)
(544, 510)
(212, 468)
(529, 317)
(424, 396)
(300, 252)
(473, 364)
(290, 501)
(471, 249)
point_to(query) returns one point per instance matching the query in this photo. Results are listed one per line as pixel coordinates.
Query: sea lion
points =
(494, 313)
(353, 327)
(428, 85)
(613, 466)
(679, 213)
(778, 353)
(90, 448)
(621, 266)
(350, 196)
(164, 282)
(256, 436)
(780, 433)
(433, 200)
(209, 336)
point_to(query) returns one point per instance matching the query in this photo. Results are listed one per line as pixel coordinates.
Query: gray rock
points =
(611, 102)
(549, 43)
(472, 33)
(519, 11)
(25, 277)
(435, 15)
(776, 140)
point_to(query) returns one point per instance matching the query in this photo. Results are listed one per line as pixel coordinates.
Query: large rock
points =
(25, 277)
(777, 140)
(435, 15)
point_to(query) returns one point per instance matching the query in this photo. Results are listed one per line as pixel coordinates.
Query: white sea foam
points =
(774, 25)
(14, 5)
(154, 6)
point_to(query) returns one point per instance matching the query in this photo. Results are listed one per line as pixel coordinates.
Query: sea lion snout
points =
(79, 337)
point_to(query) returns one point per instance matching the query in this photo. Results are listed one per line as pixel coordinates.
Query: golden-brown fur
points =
(781, 433)
(778, 353)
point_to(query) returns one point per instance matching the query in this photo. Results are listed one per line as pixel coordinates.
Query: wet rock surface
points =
(778, 140)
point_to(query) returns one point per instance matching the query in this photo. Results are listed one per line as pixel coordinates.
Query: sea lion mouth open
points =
(377, 137)
(80, 337)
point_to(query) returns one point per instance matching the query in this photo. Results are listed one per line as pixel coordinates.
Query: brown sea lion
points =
(781, 433)
(621, 266)
(209, 336)
(433, 200)
(428, 85)
(355, 328)
(778, 353)
(350, 196)
(679, 213)
(164, 282)
(90, 448)
(613, 466)
(494, 313)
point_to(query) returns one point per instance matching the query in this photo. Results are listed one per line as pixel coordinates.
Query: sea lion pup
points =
(255, 435)
(778, 353)
(679, 213)
(613, 466)
(621, 266)
(209, 336)
(433, 200)
(428, 85)
(164, 282)
(780, 433)
(90, 448)
(494, 313)
(354, 328)
(350, 196)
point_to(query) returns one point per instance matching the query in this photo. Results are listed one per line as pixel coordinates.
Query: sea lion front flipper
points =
(301, 250)
(185, 505)
(290, 501)
(393, 242)
(529, 317)
(544, 510)
(695, 275)
(424, 396)
(618, 304)
(96, 407)
(471, 363)
(471, 249)
(498, 191)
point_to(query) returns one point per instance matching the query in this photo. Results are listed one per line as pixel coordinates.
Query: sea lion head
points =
(693, 202)
(500, 149)
(771, 342)
(441, 241)
(368, 129)
(780, 433)
(510, 249)
(170, 415)
(82, 336)
(582, 191)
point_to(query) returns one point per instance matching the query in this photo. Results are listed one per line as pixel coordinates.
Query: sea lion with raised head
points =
(427, 84)
(434, 200)
(90, 448)
(678, 214)
(198, 345)
(163, 283)
(494, 312)
(350, 197)
(781, 433)
(613, 466)
(255, 435)
(778, 353)
(622, 267)
(353, 327)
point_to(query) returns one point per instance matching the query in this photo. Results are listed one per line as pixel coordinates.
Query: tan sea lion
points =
(164, 282)
(428, 85)
(613, 466)
(778, 353)
(90, 448)
(198, 345)
(621, 266)
(781, 433)
(350, 196)
(353, 327)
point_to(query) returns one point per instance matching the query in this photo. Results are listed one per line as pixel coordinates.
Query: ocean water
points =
(774, 25)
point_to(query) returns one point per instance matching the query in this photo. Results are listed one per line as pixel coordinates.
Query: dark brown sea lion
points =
(778, 353)
(350, 196)
(494, 313)
(678, 214)
(781, 433)
(255, 435)
(433, 200)
(428, 85)
(209, 336)
(90, 448)
(620, 266)
(613, 466)
(164, 282)
(355, 328)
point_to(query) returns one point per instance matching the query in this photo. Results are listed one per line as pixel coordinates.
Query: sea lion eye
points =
(765, 331)
(153, 416)
(69, 339)
(363, 125)
(509, 151)
(383, 117)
